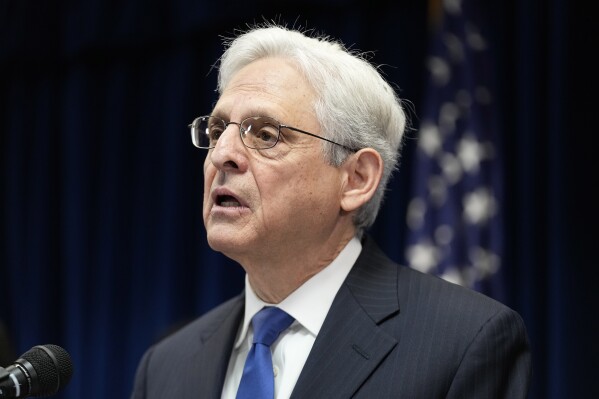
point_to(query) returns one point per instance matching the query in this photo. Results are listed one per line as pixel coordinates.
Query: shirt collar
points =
(310, 303)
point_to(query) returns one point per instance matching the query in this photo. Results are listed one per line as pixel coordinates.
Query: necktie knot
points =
(268, 323)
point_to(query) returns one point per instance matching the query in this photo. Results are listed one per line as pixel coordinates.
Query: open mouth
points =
(227, 201)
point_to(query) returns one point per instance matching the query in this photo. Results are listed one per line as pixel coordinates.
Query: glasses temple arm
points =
(319, 137)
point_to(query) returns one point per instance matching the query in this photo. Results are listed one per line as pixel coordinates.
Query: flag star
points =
(437, 190)
(452, 169)
(454, 47)
(453, 6)
(479, 206)
(444, 234)
(416, 213)
(474, 39)
(423, 256)
(485, 262)
(448, 114)
(470, 152)
(430, 139)
(439, 70)
(454, 275)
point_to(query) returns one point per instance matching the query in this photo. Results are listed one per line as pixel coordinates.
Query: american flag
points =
(454, 214)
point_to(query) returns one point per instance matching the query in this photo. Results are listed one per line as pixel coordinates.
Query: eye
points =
(260, 132)
(267, 135)
(214, 131)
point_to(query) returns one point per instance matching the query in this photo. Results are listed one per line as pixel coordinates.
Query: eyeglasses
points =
(257, 132)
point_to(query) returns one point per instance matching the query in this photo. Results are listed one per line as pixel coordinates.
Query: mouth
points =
(227, 201)
(222, 197)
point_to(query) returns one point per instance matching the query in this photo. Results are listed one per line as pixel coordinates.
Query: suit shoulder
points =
(204, 325)
(414, 286)
(417, 289)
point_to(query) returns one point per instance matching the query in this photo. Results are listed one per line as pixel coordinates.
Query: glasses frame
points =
(278, 124)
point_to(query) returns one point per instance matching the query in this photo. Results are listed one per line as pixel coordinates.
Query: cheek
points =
(301, 193)
(209, 174)
(277, 192)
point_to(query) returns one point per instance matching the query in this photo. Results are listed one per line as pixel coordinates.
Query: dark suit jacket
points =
(391, 332)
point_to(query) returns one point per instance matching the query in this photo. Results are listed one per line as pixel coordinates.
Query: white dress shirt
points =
(308, 305)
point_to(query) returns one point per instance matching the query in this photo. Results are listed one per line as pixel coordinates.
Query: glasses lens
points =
(260, 132)
(206, 130)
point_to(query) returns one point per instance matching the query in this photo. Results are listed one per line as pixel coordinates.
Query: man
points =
(300, 146)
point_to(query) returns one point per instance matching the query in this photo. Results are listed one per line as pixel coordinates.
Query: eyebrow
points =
(259, 111)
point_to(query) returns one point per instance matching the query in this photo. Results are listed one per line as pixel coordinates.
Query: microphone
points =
(41, 371)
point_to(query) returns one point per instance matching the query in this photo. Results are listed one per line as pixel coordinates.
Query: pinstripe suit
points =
(391, 332)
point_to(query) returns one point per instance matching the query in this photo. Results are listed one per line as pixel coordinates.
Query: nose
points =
(229, 154)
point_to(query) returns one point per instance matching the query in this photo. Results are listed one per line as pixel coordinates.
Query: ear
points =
(364, 170)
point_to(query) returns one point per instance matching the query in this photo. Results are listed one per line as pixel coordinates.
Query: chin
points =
(228, 244)
(217, 242)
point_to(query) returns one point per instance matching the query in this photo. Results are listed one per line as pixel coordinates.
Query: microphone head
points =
(53, 367)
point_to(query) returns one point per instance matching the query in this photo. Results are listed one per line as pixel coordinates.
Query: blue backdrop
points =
(102, 246)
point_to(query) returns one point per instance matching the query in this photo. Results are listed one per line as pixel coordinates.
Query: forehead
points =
(270, 86)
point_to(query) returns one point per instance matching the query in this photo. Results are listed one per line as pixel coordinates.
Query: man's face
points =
(273, 203)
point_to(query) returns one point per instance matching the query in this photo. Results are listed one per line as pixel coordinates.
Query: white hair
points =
(355, 106)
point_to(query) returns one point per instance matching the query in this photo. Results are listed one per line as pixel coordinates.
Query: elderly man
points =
(300, 144)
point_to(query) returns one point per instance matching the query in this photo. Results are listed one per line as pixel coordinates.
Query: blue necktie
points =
(258, 381)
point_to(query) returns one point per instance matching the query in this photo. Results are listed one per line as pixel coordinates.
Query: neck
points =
(275, 278)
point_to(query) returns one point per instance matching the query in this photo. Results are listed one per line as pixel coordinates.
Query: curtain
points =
(102, 245)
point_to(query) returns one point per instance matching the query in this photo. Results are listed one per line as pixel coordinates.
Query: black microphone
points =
(41, 371)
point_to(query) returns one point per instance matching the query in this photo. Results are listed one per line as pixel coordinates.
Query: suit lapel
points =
(351, 343)
(215, 351)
